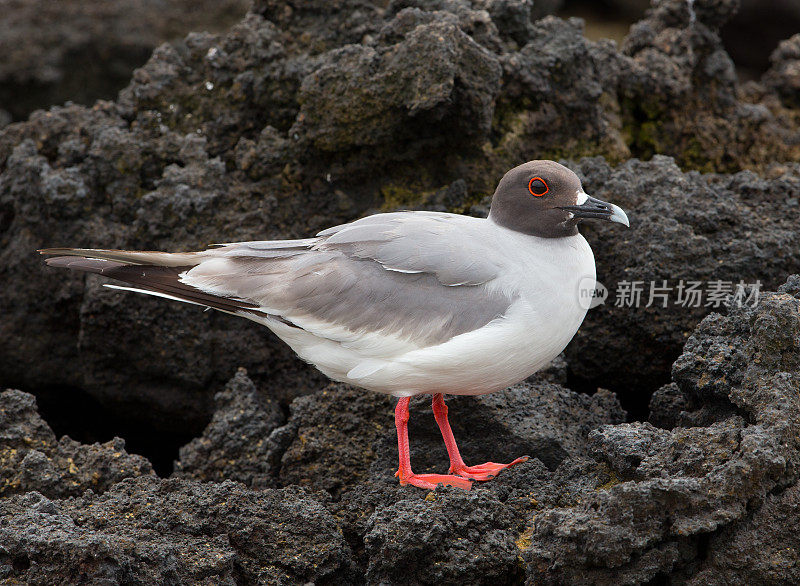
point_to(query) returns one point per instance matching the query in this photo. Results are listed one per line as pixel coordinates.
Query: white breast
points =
(542, 274)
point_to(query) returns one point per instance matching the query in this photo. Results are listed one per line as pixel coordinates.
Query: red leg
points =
(457, 466)
(401, 416)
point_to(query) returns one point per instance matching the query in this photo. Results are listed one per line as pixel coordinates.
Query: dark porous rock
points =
(78, 51)
(400, 533)
(666, 406)
(791, 286)
(675, 487)
(317, 26)
(446, 539)
(761, 550)
(151, 531)
(366, 100)
(303, 117)
(234, 445)
(685, 228)
(513, 18)
(328, 441)
(679, 93)
(32, 459)
(671, 90)
(784, 75)
(557, 98)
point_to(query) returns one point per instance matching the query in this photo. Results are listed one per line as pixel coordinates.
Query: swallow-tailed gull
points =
(404, 303)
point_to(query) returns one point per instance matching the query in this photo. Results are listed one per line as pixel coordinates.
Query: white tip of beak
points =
(619, 216)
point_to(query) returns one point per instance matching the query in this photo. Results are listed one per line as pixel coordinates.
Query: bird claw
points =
(485, 471)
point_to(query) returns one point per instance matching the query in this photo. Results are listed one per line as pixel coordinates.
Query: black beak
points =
(597, 208)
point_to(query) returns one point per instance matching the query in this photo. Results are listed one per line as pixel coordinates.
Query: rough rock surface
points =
(235, 445)
(675, 487)
(32, 459)
(762, 549)
(685, 227)
(269, 132)
(151, 531)
(82, 51)
(342, 436)
(543, 420)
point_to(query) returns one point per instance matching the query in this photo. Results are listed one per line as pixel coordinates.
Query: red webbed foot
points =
(483, 471)
(430, 481)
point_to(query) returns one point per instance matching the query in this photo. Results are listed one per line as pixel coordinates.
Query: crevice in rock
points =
(6, 216)
(753, 34)
(634, 399)
(73, 412)
(604, 19)
(703, 543)
(21, 563)
(659, 579)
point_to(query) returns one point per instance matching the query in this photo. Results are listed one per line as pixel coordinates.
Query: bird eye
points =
(538, 187)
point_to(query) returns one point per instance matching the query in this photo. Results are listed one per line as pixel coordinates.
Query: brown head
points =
(543, 198)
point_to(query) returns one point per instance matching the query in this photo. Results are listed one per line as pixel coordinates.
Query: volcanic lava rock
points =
(343, 436)
(444, 539)
(31, 459)
(680, 484)
(342, 440)
(685, 228)
(763, 549)
(680, 98)
(178, 531)
(784, 75)
(235, 443)
(365, 99)
(78, 51)
(559, 96)
(328, 441)
(264, 132)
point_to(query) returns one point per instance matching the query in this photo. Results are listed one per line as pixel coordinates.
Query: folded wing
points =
(419, 277)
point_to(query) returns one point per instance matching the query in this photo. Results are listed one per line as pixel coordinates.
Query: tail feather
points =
(144, 257)
(155, 279)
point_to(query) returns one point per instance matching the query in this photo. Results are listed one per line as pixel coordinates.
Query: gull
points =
(404, 303)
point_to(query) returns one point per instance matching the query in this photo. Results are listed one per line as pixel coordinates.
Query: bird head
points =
(544, 198)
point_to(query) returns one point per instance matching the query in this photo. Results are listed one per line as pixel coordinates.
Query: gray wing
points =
(444, 245)
(422, 277)
(419, 276)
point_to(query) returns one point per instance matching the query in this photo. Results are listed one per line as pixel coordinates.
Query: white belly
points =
(545, 316)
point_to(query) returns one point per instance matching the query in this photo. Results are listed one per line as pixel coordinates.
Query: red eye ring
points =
(543, 182)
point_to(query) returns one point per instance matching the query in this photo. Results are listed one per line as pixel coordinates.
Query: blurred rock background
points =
(56, 52)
